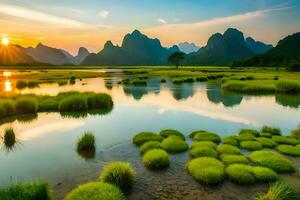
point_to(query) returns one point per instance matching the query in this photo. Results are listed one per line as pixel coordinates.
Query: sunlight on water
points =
(7, 85)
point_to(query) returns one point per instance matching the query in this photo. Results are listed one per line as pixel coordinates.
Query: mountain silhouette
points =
(286, 53)
(136, 49)
(12, 55)
(257, 46)
(188, 47)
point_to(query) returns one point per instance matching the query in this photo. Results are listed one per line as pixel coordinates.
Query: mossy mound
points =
(208, 144)
(245, 137)
(272, 130)
(264, 174)
(296, 133)
(205, 136)
(251, 145)
(267, 135)
(143, 137)
(206, 170)
(169, 132)
(232, 140)
(228, 149)
(249, 131)
(272, 160)
(286, 140)
(240, 173)
(96, 191)
(174, 144)
(266, 142)
(156, 159)
(289, 150)
(203, 152)
(228, 159)
(150, 145)
(120, 174)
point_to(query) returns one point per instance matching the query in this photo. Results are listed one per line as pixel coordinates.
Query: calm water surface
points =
(46, 143)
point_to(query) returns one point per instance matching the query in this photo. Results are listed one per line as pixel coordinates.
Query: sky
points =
(70, 24)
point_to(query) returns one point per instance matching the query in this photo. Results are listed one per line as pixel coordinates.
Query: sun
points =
(5, 41)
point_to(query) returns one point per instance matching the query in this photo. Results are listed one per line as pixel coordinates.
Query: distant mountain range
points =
(286, 53)
(136, 49)
(187, 48)
(14, 55)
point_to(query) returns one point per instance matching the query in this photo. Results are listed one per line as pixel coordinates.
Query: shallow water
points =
(46, 144)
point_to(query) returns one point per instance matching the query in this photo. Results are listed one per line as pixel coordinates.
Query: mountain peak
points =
(136, 32)
(108, 44)
(83, 51)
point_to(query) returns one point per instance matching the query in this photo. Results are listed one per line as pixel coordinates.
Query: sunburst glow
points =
(5, 41)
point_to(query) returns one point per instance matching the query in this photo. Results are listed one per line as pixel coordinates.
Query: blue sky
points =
(70, 24)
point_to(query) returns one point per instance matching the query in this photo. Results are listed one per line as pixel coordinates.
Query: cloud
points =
(162, 21)
(104, 13)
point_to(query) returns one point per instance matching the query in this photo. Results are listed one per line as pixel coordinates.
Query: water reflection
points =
(7, 86)
(292, 101)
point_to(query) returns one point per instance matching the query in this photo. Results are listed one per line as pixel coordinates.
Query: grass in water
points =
(278, 191)
(156, 159)
(143, 137)
(86, 142)
(174, 144)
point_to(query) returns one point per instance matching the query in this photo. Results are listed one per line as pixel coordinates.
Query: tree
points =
(176, 57)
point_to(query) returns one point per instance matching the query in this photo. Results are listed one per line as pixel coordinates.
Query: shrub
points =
(139, 82)
(174, 144)
(21, 85)
(72, 80)
(168, 132)
(203, 152)
(120, 174)
(156, 159)
(32, 84)
(62, 83)
(96, 191)
(86, 142)
(245, 137)
(178, 81)
(2, 111)
(240, 173)
(8, 107)
(206, 170)
(289, 150)
(143, 137)
(232, 140)
(149, 146)
(250, 131)
(206, 136)
(296, 133)
(272, 160)
(288, 87)
(228, 159)
(251, 145)
(26, 105)
(228, 149)
(73, 103)
(267, 135)
(201, 79)
(26, 191)
(9, 138)
(99, 101)
(268, 129)
(189, 80)
(163, 80)
(264, 174)
(208, 144)
(285, 140)
(278, 191)
(266, 142)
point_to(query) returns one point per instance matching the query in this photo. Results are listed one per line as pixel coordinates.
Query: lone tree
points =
(176, 57)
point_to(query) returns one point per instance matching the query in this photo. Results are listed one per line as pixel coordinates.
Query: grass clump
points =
(139, 82)
(9, 138)
(266, 142)
(73, 103)
(273, 130)
(205, 136)
(251, 145)
(26, 191)
(203, 152)
(232, 140)
(120, 174)
(86, 142)
(7, 107)
(245, 137)
(149, 146)
(156, 159)
(208, 144)
(178, 81)
(201, 79)
(286, 140)
(240, 173)
(168, 132)
(289, 150)
(206, 170)
(26, 105)
(272, 160)
(296, 133)
(267, 135)
(250, 131)
(174, 144)
(228, 149)
(21, 85)
(228, 159)
(249, 87)
(288, 87)
(264, 174)
(278, 191)
(96, 191)
(143, 137)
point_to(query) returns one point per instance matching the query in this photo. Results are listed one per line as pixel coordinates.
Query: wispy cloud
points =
(104, 13)
(163, 21)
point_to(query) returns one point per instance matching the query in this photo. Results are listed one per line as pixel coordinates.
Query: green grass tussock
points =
(26, 105)
(73, 103)
(206, 170)
(21, 85)
(149, 146)
(296, 133)
(26, 191)
(273, 130)
(96, 191)
(249, 87)
(156, 159)
(286, 140)
(279, 191)
(168, 132)
(240, 173)
(272, 160)
(232, 140)
(289, 150)
(266, 142)
(267, 135)
(265, 174)
(120, 174)
(228, 149)
(86, 142)
(251, 145)
(203, 152)
(288, 87)
(9, 138)
(250, 131)
(143, 137)
(174, 144)
(245, 137)
(205, 136)
(208, 144)
(228, 159)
